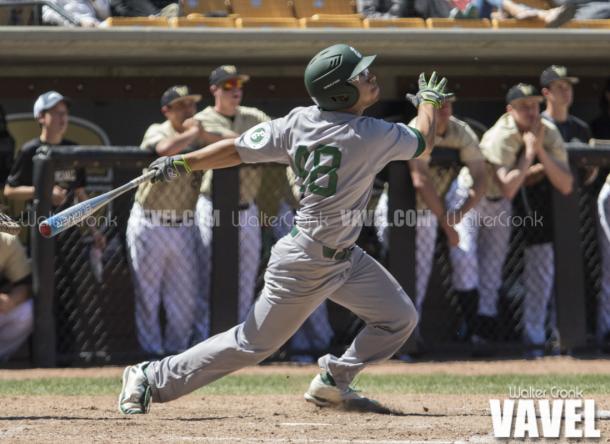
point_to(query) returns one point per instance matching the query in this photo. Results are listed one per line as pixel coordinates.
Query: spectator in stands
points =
(553, 17)
(16, 308)
(601, 125)
(385, 8)
(558, 92)
(587, 9)
(144, 8)
(162, 238)
(88, 13)
(51, 110)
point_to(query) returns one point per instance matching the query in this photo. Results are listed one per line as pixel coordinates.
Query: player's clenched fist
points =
(168, 168)
(432, 91)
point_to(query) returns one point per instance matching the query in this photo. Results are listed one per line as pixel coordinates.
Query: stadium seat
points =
(204, 7)
(262, 8)
(514, 23)
(591, 24)
(411, 22)
(308, 8)
(267, 22)
(135, 21)
(457, 23)
(211, 22)
(318, 22)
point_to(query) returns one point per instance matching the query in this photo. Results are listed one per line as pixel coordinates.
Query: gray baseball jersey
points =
(335, 157)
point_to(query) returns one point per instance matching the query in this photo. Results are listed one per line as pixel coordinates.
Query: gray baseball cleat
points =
(323, 392)
(135, 394)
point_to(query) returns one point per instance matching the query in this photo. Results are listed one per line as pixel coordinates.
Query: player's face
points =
(229, 93)
(55, 119)
(177, 112)
(366, 82)
(560, 92)
(526, 112)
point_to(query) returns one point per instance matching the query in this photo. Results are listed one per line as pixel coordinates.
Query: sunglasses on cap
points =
(230, 84)
(363, 75)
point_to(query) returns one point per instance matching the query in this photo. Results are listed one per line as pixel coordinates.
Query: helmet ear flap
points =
(344, 96)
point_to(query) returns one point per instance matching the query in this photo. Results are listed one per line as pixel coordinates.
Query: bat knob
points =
(44, 229)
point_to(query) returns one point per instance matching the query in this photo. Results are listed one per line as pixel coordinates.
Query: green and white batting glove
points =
(168, 168)
(430, 92)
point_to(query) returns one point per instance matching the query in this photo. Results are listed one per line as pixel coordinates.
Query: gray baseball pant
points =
(297, 280)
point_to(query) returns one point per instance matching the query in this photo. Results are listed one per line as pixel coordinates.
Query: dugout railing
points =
(81, 320)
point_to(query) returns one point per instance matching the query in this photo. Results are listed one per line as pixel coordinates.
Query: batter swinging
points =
(336, 153)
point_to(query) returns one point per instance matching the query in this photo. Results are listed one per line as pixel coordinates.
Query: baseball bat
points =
(69, 217)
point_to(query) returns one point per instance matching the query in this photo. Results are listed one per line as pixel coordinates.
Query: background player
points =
(161, 236)
(228, 118)
(432, 184)
(336, 156)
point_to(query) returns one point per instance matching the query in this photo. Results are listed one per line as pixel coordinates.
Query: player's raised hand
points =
(168, 168)
(431, 91)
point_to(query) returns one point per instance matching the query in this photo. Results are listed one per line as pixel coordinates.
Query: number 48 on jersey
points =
(318, 171)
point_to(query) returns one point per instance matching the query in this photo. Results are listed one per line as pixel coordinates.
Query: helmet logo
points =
(334, 61)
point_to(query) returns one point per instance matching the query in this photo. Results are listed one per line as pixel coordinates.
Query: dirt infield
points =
(271, 419)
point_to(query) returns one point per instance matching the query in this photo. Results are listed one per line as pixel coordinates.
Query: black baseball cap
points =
(178, 92)
(522, 91)
(226, 72)
(556, 72)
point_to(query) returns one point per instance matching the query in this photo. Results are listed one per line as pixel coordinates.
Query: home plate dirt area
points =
(276, 418)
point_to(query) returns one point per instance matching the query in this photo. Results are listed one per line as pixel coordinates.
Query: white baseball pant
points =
(250, 243)
(163, 261)
(478, 259)
(15, 327)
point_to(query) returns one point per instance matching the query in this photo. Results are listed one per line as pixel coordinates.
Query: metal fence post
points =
(225, 250)
(569, 272)
(43, 267)
(401, 257)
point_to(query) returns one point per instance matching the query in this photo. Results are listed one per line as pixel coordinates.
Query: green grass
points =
(295, 385)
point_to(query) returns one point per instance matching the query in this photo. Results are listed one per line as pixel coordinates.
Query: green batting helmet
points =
(327, 75)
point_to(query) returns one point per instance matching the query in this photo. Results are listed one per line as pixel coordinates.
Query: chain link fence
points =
(181, 264)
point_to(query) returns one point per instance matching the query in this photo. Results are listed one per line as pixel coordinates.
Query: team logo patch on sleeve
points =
(258, 136)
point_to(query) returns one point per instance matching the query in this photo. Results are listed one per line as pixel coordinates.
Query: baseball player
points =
(558, 91)
(522, 149)
(16, 307)
(228, 118)
(335, 152)
(432, 183)
(51, 110)
(161, 235)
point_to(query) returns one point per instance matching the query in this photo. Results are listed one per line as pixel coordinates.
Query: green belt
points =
(327, 252)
